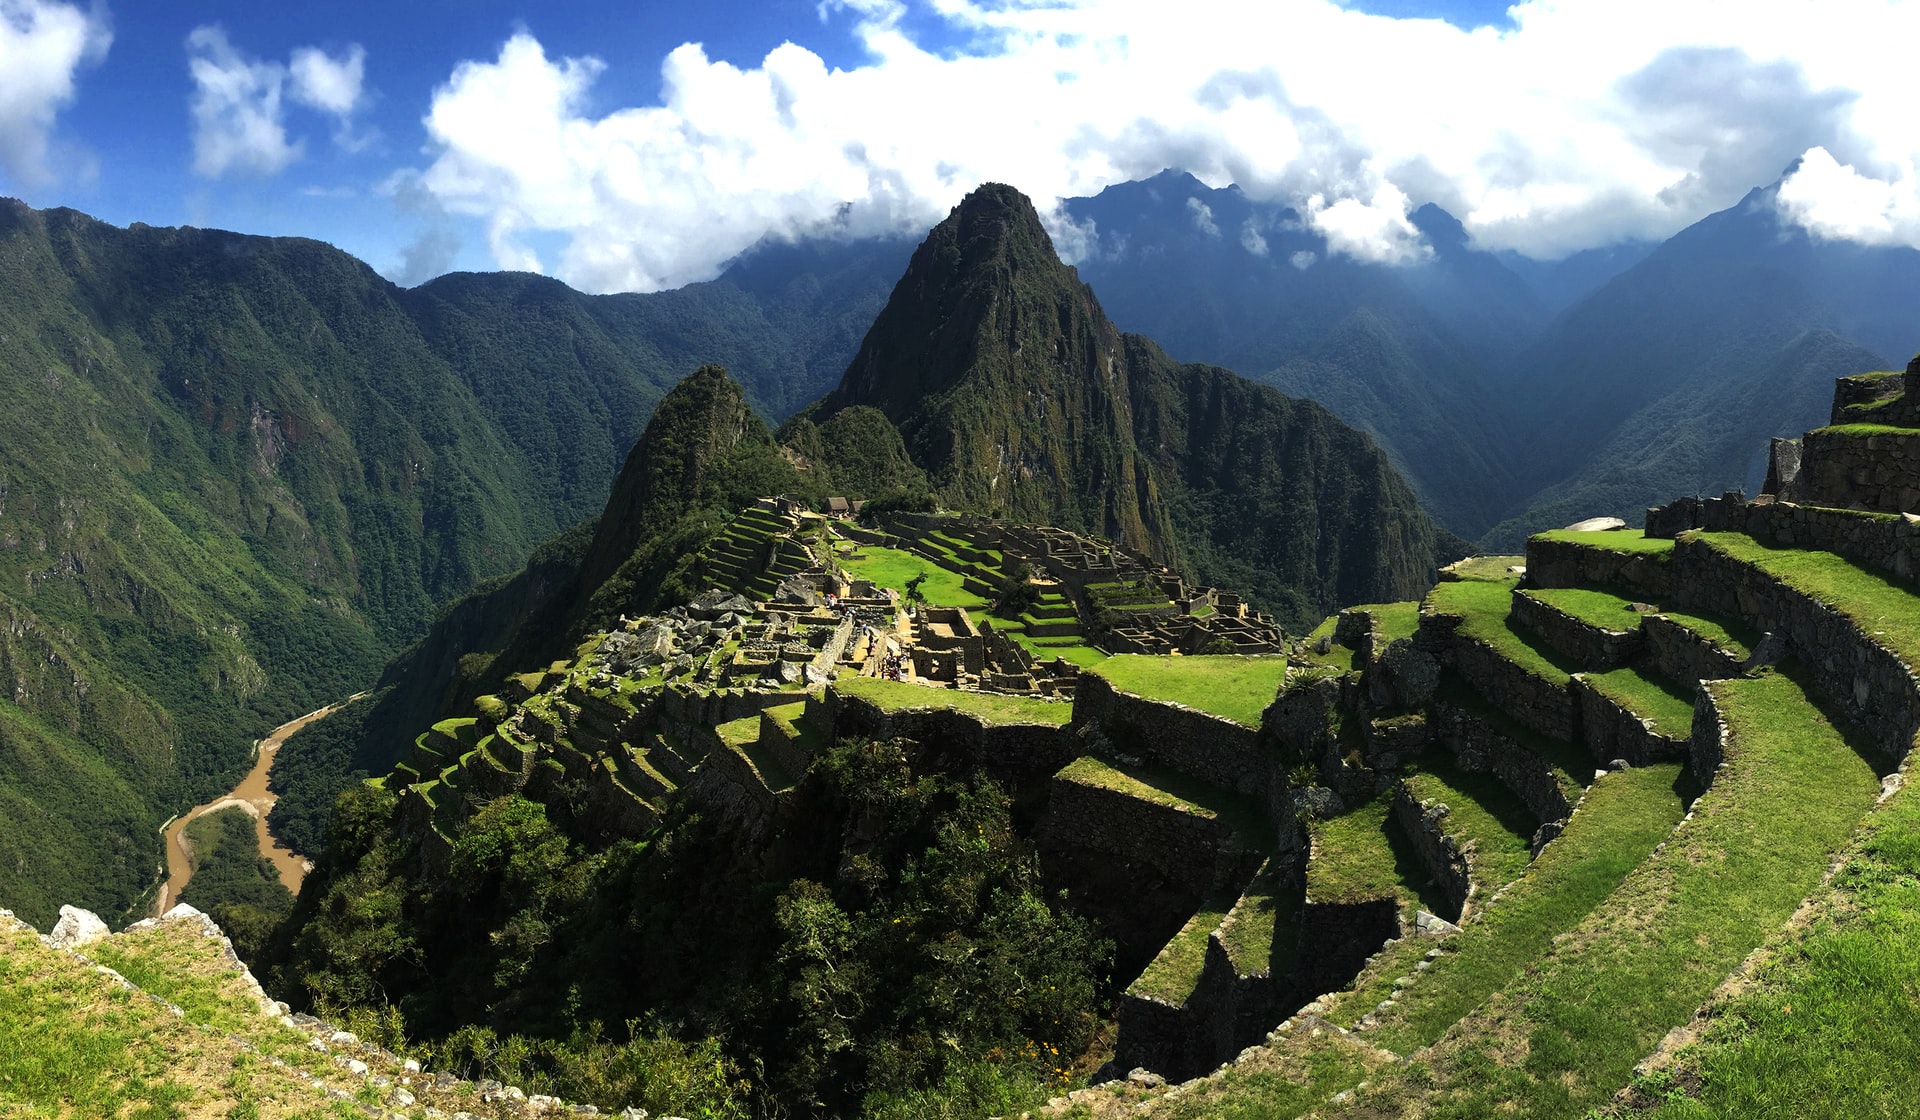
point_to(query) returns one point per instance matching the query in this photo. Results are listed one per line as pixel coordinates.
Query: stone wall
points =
(1707, 748)
(1477, 747)
(1337, 939)
(1880, 471)
(1566, 564)
(1885, 541)
(1016, 751)
(1859, 390)
(1199, 744)
(1611, 731)
(1682, 655)
(1543, 705)
(1174, 843)
(829, 655)
(1879, 694)
(1594, 647)
(1424, 823)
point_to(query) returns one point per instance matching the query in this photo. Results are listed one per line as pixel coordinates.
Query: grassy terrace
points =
(1568, 1033)
(1484, 812)
(1736, 638)
(1396, 620)
(1482, 607)
(1668, 705)
(1827, 1026)
(1598, 608)
(1491, 569)
(1172, 975)
(1865, 430)
(1266, 926)
(1624, 816)
(1338, 657)
(1176, 791)
(989, 708)
(1612, 540)
(1353, 859)
(1237, 686)
(892, 567)
(1880, 607)
(1572, 766)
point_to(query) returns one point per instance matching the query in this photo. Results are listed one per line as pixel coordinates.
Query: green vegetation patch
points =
(892, 568)
(1826, 1026)
(1880, 607)
(1172, 975)
(1491, 569)
(1394, 620)
(1353, 861)
(1624, 815)
(1596, 608)
(1266, 926)
(1483, 607)
(1485, 813)
(1668, 705)
(1340, 658)
(1236, 686)
(1287, 1078)
(1862, 430)
(990, 708)
(1633, 541)
(1567, 1035)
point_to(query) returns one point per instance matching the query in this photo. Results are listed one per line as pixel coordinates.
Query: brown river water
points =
(252, 796)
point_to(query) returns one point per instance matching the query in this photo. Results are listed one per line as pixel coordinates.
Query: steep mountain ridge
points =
(239, 472)
(1021, 400)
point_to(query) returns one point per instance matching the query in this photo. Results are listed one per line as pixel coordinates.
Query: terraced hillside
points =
(1700, 722)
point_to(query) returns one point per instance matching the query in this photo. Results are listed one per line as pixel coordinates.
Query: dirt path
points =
(252, 796)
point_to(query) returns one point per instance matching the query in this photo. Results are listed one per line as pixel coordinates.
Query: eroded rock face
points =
(77, 927)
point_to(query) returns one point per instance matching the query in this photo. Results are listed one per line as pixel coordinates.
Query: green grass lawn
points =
(1482, 607)
(892, 567)
(1613, 540)
(989, 708)
(1160, 786)
(1565, 1036)
(1827, 1026)
(1598, 608)
(1338, 657)
(1879, 606)
(1668, 705)
(1489, 568)
(1267, 915)
(1237, 686)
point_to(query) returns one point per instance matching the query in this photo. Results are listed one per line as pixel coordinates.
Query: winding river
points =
(252, 796)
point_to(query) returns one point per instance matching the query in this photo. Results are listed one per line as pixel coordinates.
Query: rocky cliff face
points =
(1021, 400)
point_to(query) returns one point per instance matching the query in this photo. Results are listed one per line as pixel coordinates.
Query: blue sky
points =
(585, 140)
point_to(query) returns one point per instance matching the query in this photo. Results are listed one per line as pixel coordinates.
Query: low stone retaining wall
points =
(1544, 706)
(1227, 1012)
(1878, 471)
(1199, 744)
(1877, 540)
(1337, 938)
(1682, 655)
(1019, 750)
(1610, 731)
(1424, 824)
(1566, 564)
(1594, 647)
(1477, 748)
(1879, 694)
(1178, 845)
(1707, 747)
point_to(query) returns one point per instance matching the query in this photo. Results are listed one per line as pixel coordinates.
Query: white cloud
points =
(43, 44)
(1252, 240)
(331, 85)
(1581, 123)
(1839, 203)
(1303, 259)
(1202, 215)
(1376, 230)
(239, 121)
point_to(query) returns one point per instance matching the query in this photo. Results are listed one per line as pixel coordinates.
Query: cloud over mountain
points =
(1580, 124)
(43, 45)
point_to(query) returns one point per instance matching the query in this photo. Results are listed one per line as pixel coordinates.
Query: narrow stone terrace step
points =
(1624, 559)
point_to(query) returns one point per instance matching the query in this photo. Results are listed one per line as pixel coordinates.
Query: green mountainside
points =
(240, 472)
(1021, 400)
